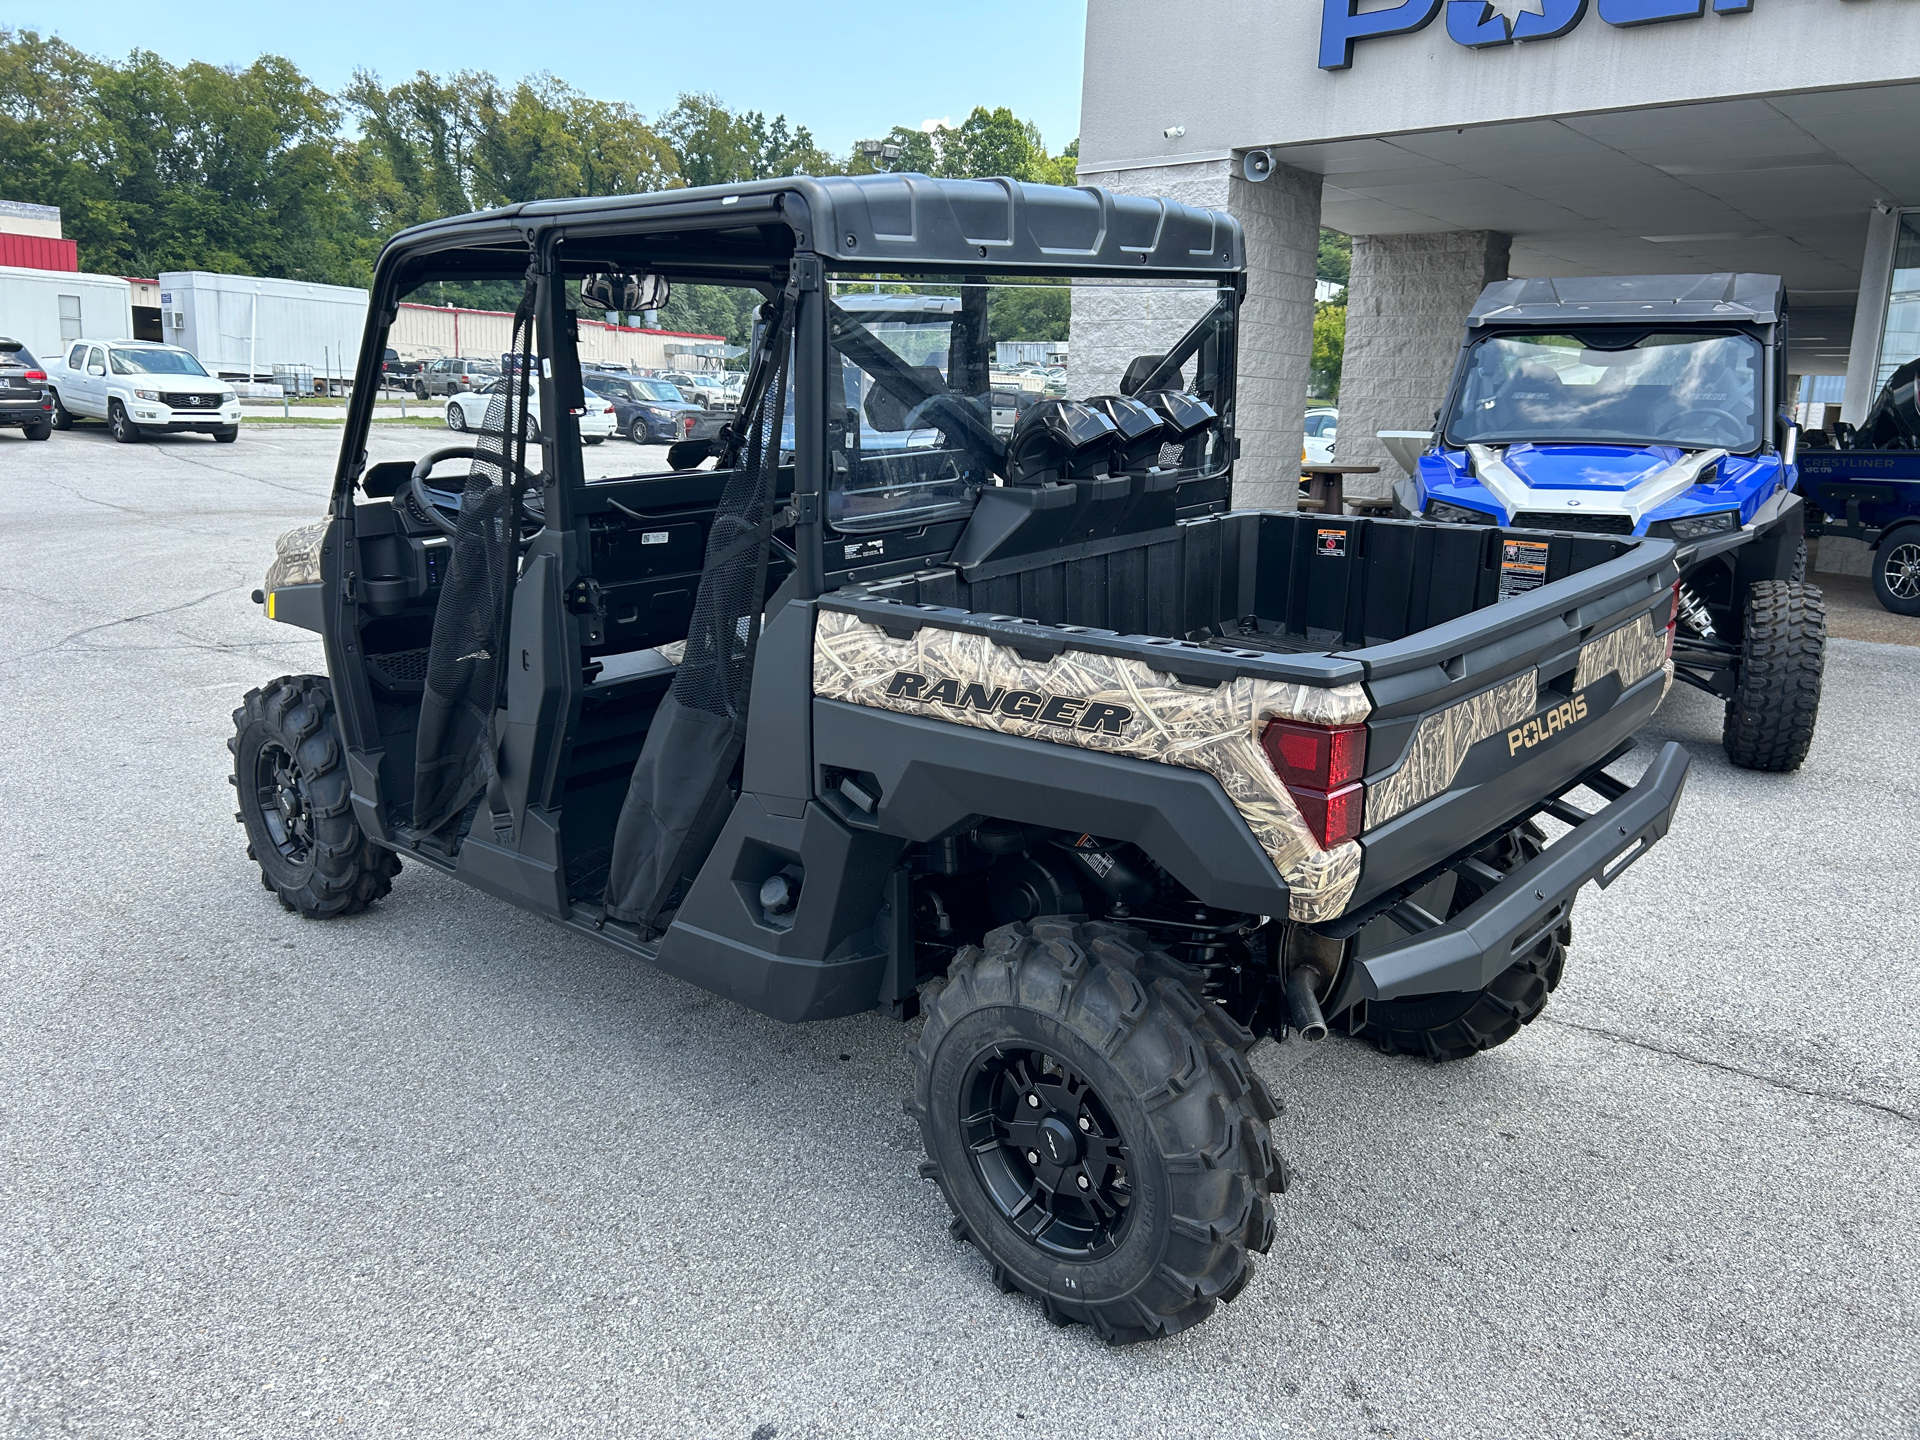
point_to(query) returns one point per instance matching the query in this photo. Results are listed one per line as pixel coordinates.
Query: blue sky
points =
(845, 70)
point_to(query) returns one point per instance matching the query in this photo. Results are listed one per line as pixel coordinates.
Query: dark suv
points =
(25, 399)
(651, 411)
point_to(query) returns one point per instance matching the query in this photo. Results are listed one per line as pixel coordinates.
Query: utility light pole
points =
(879, 153)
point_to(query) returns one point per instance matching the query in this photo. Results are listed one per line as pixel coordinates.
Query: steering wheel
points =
(416, 489)
(1735, 423)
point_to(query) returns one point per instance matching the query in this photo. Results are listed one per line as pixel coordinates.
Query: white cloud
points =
(945, 122)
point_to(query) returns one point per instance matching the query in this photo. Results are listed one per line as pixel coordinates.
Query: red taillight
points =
(1332, 818)
(34, 375)
(1321, 757)
(1321, 767)
(686, 428)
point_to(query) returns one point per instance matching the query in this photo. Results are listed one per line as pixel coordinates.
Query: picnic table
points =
(1323, 489)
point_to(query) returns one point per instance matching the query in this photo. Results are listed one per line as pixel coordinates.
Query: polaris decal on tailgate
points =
(1547, 724)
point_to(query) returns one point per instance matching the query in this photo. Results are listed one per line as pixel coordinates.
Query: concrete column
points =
(1281, 217)
(1407, 304)
(1870, 314)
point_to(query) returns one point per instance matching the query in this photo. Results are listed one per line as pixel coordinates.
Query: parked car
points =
(651, 412)
(451, 375)
(398, 374)
(1322, 422)
(705, 387)
(25, 399)
(468, 411)
(142, 388)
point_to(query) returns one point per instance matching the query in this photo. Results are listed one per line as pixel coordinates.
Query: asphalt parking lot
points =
(444, 1170)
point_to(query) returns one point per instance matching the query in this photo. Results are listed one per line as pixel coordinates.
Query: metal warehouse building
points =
(1463, 141)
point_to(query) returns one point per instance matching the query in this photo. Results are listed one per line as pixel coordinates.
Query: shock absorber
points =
(1694, 611)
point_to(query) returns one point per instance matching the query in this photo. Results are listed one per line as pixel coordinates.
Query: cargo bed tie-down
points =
(1467, 952)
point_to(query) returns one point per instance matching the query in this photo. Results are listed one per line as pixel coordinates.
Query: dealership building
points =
(1465, 141)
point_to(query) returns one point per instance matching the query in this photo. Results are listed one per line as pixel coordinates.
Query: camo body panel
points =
(296, 556)
(1215, 731)
(1633, 652)
(1441, 742)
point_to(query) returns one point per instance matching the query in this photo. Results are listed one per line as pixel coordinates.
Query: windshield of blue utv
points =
(1696, 391)
(935, 376)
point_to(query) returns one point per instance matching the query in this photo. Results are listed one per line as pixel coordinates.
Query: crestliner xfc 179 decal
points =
(1015, 704)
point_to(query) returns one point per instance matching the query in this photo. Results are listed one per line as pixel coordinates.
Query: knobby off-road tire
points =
(1083, 1033)
(290, 772)
(1454, 1025)
(1776, 699)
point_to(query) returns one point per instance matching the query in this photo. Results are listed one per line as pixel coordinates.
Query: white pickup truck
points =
(141, 388)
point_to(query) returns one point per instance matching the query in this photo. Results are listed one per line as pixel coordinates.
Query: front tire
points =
(290, 771)
(1094, 1127)
(1776, 698)
(1455, 1024)
(228, 435)
(1896, 570)
(120, 425)
(456, 417)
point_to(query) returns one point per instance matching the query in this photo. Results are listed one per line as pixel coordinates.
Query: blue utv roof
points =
(1724, 296)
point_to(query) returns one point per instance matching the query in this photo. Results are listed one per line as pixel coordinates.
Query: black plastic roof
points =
(1738, 298)
(904, 220)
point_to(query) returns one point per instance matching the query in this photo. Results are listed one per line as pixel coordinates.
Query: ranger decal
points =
(1014, 704)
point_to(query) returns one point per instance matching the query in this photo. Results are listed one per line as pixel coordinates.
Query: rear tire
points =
(1155, 1184)
(290, 771)
(121, 425)
(1452, 1026)
(1896, 570)
(1776, 698)
(62, 417)
(38, 432)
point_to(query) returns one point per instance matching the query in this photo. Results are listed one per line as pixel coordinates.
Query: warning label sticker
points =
(1523, 567)
(1331, 543)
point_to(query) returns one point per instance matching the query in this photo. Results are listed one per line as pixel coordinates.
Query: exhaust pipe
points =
(1302, 1008)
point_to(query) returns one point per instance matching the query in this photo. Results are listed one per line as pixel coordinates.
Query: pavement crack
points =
(67, 640)
(1810, 1091)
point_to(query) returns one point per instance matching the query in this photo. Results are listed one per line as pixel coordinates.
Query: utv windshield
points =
(1696, 391)
(936, 378)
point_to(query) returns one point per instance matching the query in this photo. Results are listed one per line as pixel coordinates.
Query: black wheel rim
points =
(1047, 1152)
(1900, 573)
(280, 790)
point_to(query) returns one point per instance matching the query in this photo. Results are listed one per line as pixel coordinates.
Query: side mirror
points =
(96, 369)
(613, 290)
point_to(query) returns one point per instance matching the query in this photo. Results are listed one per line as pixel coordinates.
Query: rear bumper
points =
(34, 414)
(1469, 951)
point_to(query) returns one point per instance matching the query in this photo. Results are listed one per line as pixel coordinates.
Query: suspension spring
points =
(1694, 611)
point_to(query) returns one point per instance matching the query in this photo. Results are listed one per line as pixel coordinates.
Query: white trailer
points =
(240, 327)
(46, 310)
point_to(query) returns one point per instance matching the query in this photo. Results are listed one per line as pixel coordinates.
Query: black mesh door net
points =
(682, 783)
(454, 754)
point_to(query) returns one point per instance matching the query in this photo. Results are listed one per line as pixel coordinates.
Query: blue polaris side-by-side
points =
(1649, 405)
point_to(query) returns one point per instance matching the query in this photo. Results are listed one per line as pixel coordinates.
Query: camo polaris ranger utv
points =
(1011, 721)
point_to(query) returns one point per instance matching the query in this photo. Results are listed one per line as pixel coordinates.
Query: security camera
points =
(1258, 165)
(1174, 132)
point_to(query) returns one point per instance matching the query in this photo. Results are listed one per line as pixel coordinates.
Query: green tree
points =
(1329, 344)
(1336, 257)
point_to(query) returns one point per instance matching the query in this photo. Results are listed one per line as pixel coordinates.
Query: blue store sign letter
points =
(1483, 23)
(1340, 27)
